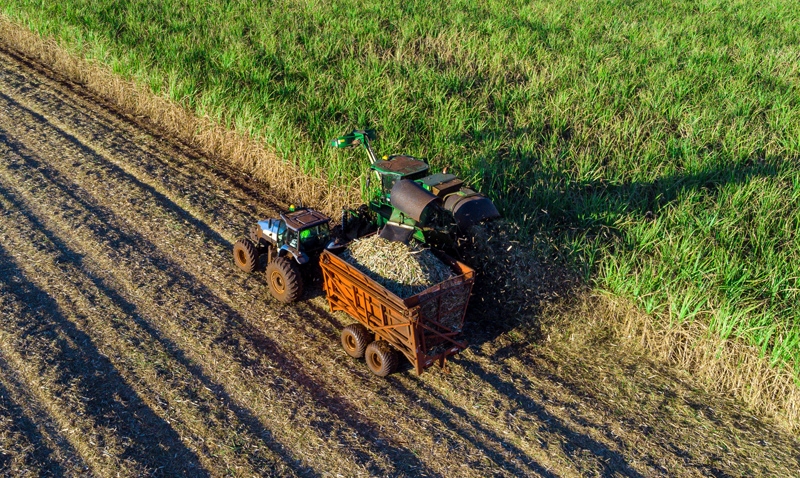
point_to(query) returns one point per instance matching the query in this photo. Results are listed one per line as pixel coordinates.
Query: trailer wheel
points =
(381, 358)
(285, 282)
(245, 255)
(355, 339)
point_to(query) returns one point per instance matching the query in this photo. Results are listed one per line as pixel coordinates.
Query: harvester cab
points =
(432, 208)
(296, 238)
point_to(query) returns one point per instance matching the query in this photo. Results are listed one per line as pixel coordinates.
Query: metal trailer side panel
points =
(411, 325)
(388, 317)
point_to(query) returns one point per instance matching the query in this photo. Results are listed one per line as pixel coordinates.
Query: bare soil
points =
(131, 345)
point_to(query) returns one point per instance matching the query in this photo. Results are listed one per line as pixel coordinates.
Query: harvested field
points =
(130, 345)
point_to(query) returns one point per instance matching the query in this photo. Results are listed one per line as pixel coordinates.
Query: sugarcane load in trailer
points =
(424, 327)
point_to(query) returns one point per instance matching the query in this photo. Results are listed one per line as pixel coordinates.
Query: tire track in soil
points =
(147, 225)
(112, 181)
(185, 287)
(92, 209)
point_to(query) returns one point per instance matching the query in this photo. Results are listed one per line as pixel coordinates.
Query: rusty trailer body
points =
(424, 327)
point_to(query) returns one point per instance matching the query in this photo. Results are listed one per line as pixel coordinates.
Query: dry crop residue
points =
(130, 344)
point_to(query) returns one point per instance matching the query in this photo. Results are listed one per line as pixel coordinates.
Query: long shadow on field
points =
(104, 395)
(595, 206)
(123, 242)
(671, 444)
(451, 417)
(612, 462)
(447, 416)
(512, 283)
(89, 152)
(669, 387)
(41, 457)
(243, 414)
(527, 185)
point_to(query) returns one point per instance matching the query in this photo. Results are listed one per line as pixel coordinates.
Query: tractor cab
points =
(311, 228)
(307, 232)
(301, 234)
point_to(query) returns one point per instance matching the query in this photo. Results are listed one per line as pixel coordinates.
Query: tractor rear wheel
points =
(285, 282)
(381, 358)
(355, 338)
(245, 255)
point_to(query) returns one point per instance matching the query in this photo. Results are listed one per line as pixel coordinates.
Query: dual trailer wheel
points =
(358, 342)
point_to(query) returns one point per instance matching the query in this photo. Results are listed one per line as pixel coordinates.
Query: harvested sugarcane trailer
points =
(424, 327)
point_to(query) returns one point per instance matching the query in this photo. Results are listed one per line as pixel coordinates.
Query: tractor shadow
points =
(517, 279)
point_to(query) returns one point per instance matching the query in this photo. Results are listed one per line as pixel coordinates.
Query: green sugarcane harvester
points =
(431, 208)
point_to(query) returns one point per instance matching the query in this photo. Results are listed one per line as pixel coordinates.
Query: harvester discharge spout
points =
(355, 138)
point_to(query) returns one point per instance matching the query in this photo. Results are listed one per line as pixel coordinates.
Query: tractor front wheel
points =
(355, 338)
(381, 358)
(245, 255)
(285, 282)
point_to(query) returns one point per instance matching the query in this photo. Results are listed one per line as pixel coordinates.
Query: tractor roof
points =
(401, 165)
(304, 218)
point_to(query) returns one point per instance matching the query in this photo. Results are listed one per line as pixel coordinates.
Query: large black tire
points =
(245, 255)
(285, 282)
(355, 338)
(381, 358)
